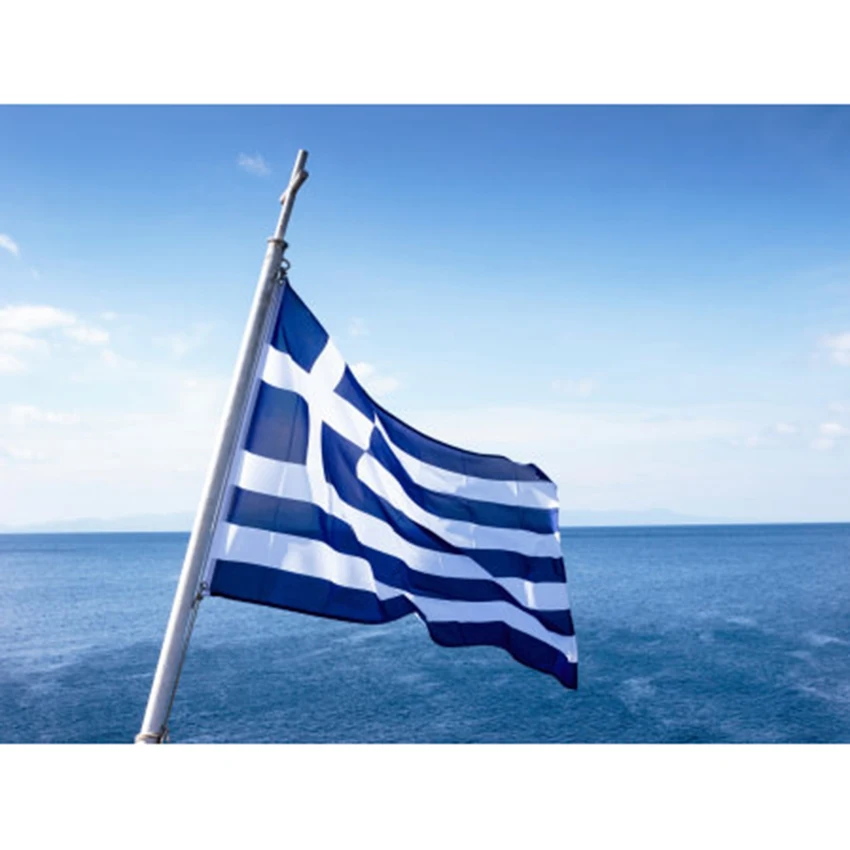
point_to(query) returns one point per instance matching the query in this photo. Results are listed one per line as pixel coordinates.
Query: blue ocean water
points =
(686, 634)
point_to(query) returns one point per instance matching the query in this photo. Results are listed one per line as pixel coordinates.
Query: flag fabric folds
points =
(337, 508)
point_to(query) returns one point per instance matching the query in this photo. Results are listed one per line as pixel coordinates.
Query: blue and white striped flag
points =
(335, 507)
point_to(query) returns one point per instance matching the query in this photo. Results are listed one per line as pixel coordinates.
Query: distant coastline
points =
(182, 522)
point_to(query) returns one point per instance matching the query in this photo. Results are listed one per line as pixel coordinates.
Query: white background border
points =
(443, 51)
(440, 796)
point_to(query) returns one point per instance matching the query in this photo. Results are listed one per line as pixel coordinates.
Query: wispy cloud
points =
(357, 327)
(9, 244)
(532, 427)
(22, 330)
(582, 388)
(253, 164)
(113, 361)
(10, 363)
(13, 345)
(87, 335)
(374, 382)
(829, 432)
(14, 341)
(26, 431)
(26, 414)
(19, 455)
(26, 318)
(838, 346)
(771, 435)
(182, 342)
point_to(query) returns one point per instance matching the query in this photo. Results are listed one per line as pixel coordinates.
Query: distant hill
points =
(142, 522)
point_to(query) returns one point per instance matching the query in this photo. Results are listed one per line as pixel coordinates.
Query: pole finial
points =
(298, 176)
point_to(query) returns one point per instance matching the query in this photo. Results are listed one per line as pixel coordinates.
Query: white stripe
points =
(449, 611)
(295, 555)
(463, 534)
(329, 367)
(528, 494)
(315, 558)
(263, 475)
(272, 477)
(317, 388)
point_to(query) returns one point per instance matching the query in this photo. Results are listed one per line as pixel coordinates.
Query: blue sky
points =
(652, 303)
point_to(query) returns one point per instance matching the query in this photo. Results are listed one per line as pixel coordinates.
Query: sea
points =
(686, 634)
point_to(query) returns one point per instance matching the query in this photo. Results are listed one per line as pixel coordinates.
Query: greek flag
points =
(335, 507)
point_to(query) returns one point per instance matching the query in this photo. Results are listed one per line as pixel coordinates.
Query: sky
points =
(650, 303)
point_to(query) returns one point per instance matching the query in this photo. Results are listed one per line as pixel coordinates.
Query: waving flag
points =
(319, 500)
(335, 507)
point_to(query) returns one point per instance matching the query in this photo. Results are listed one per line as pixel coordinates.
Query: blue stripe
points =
(524, 648)
(354, 394)
(289, 516)
(435, 453)
(297, 332)
(309, 595)
(539, 520)
(501, 563)
(279, 425)
(340, 458)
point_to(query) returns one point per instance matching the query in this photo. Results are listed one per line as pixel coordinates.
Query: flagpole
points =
(189, 592)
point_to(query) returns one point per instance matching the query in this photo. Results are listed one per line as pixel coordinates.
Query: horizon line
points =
(11, 532)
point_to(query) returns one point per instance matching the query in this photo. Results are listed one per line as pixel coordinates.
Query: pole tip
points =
(298, 176)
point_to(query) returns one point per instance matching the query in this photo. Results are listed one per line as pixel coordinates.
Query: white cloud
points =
(829, 433)
(9, 364)
(770, 435)
(26, 328)
(23, 455)
(87, 335)
(357, 327)
(582, 387)
(105, 367)
(833, 429)
(12, 344)
(9, 244)
(491, 428)
(13, 341)
(108, 316)
(838, 347)
(26, 414)
(91, 459)
(27, 318)
(203, 396)
(253, 164)
(374, 383)
(182, 342)
(114, 361)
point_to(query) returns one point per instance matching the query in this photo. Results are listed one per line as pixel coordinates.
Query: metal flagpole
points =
(188, 595)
